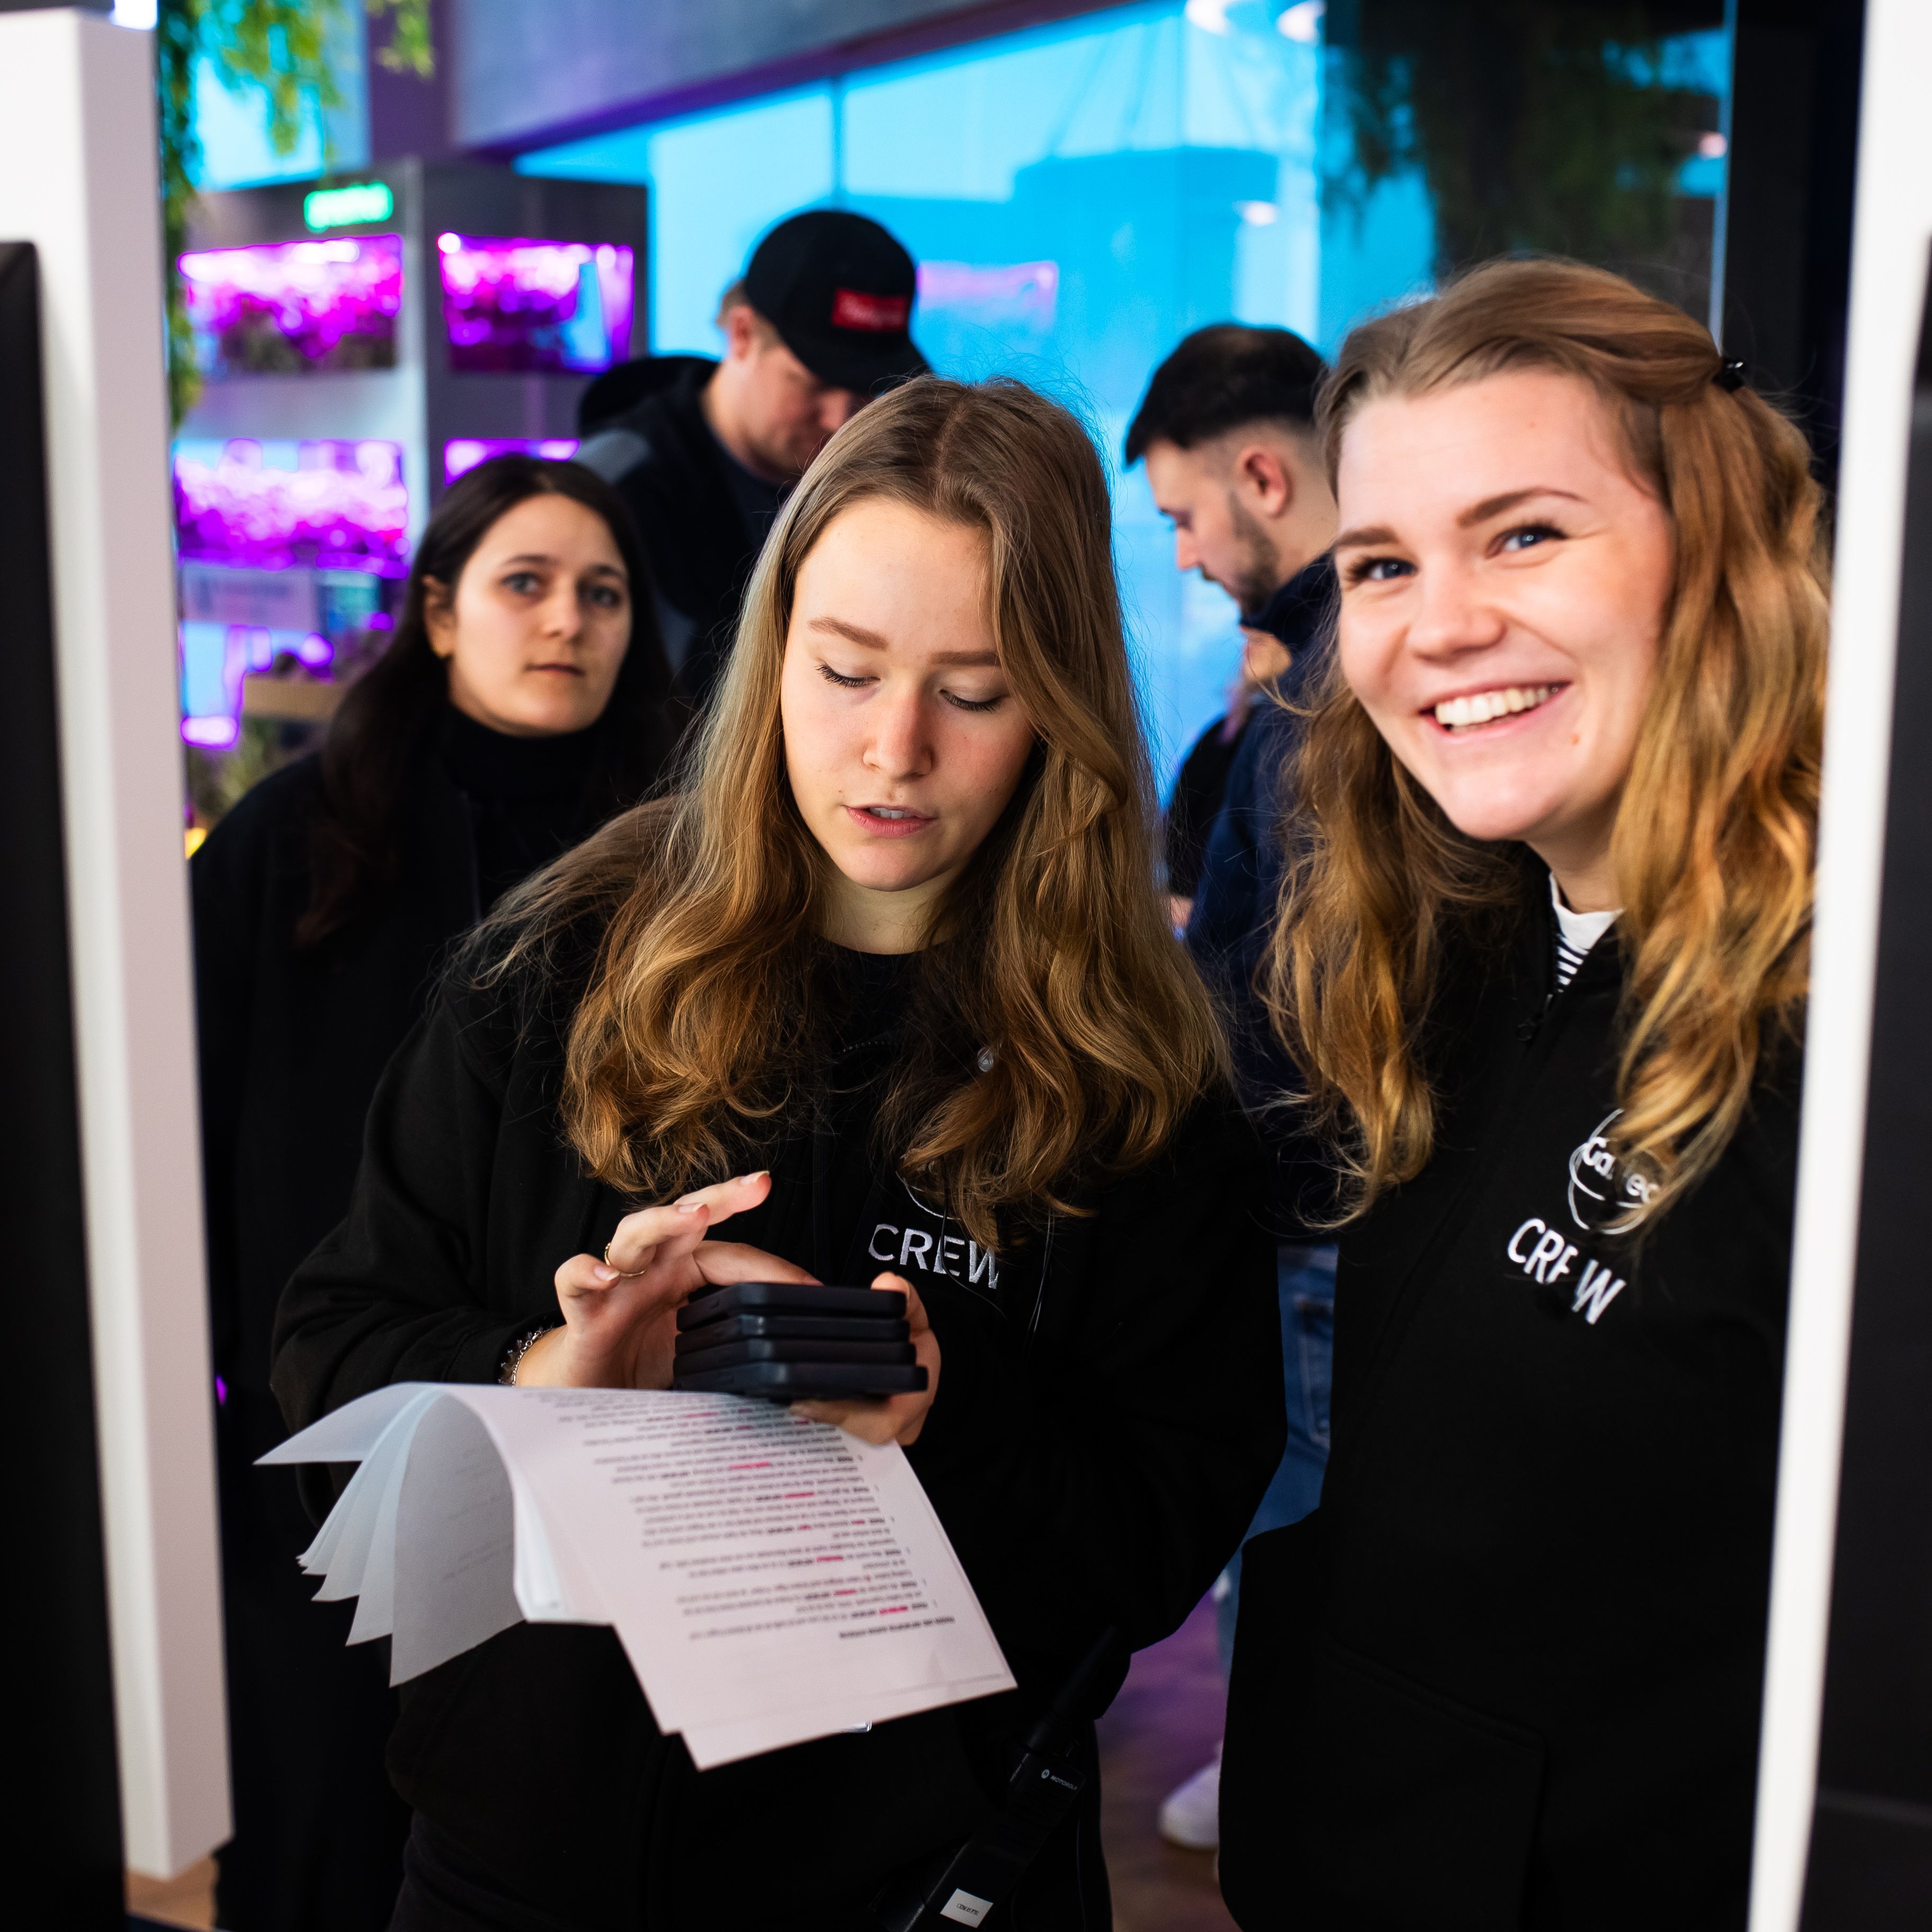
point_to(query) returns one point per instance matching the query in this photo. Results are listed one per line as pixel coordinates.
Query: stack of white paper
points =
(771, 1579)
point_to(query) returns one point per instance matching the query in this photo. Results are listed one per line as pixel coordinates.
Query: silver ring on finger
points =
(622, 1274)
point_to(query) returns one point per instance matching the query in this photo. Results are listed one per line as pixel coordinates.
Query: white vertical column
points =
(77, 179)
(1889, 263)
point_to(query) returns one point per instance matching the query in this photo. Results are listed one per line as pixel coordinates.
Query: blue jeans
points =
(1305, 1279)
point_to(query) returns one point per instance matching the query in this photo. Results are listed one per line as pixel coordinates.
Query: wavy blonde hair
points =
(1714, 870)
(700, 1033)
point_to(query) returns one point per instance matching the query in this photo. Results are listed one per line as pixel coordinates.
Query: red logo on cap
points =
(877, 315)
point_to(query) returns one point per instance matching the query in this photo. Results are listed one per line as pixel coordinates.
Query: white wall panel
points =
(1889, 264)
(77, 179)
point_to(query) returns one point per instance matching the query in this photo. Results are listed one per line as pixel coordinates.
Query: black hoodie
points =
(292, 1042)
(1507, 1675)
(1109, 1412)
(702, 518)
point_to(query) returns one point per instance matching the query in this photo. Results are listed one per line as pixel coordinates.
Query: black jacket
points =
(661, 457)
(292, 1045)
(1241, 880)
(1507, 1675)
(1109, 1412)
(1197, 789)
(1241, 859)
(292, 1042)
(1298, 614)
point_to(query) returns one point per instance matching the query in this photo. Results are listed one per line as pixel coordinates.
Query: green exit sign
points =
(348, 207)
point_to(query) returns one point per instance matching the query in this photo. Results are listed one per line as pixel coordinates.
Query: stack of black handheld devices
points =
(794, 1341)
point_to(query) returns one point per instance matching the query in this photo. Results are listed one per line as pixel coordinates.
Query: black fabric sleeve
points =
(1229, 934)
(1230, 906)
(1116, 1495)
(397, 1293)
(1191, 810)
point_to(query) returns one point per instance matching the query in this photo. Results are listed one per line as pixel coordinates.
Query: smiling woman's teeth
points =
(1457, 713)
(887, 811)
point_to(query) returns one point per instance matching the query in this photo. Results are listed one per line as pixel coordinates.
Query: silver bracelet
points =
(513, 1357)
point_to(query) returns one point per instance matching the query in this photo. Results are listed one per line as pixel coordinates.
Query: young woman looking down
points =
(1542, 964)
(887, 996)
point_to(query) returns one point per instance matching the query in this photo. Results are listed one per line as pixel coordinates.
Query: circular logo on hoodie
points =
(1606, 1196)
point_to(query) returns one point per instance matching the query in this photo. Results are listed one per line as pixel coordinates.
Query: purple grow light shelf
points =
(268, 506)
(515, 306)
(462, 453)
(296, 308)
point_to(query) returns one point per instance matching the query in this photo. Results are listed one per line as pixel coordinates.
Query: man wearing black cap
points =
(705, 452)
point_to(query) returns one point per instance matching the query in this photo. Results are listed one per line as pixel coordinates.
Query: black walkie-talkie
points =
(974, 1881)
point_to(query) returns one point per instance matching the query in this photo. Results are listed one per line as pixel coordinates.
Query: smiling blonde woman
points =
(888, 989)
(1541, 962)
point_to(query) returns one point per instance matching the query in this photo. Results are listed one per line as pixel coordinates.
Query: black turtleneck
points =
(526, 796)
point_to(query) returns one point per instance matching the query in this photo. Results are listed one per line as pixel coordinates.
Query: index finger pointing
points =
(682, 1224)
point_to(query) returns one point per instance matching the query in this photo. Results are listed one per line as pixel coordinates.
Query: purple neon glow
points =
(462, 453)
(510, 304)
(220, 1390)
(343, 506)
(289, 307)
(217, 733)
(1007, 295)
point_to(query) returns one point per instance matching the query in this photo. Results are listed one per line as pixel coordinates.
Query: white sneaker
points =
(1190, 1814)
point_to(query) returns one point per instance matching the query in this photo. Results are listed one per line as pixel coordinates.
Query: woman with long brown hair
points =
(1541, 965)
(895, 961)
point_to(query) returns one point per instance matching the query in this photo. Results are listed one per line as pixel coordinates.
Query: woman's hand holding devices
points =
(620, 1313)
(892, 1418)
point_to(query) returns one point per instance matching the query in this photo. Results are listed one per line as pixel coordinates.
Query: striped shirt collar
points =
(1577, 932)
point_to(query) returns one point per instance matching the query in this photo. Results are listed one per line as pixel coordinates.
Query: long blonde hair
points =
(1713, 863)
(698, 1035)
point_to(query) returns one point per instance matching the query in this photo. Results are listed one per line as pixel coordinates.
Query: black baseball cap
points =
(839, 290)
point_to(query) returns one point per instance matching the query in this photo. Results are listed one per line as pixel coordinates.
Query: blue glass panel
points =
(1078, 197)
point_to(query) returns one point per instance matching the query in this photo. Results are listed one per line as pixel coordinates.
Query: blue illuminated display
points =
(1078, 197)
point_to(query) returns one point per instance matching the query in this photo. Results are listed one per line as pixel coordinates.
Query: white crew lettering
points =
(1545, 1252)
(916, 1239)
(952, 1252)
(1595, 1292)
(980, 1261)
(1564, 1260)
(892, 1252)
(1523, 1261)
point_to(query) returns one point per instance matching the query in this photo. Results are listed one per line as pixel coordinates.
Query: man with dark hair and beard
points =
(1227, 432)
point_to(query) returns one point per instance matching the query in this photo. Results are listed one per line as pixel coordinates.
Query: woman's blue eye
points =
(1529, 536)
(607, 595)
(521, 581)
(1379, 569)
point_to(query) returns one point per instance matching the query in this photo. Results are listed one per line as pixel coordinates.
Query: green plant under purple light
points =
(280, 46)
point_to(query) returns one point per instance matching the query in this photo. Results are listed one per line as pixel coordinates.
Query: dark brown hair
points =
(376, 738)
